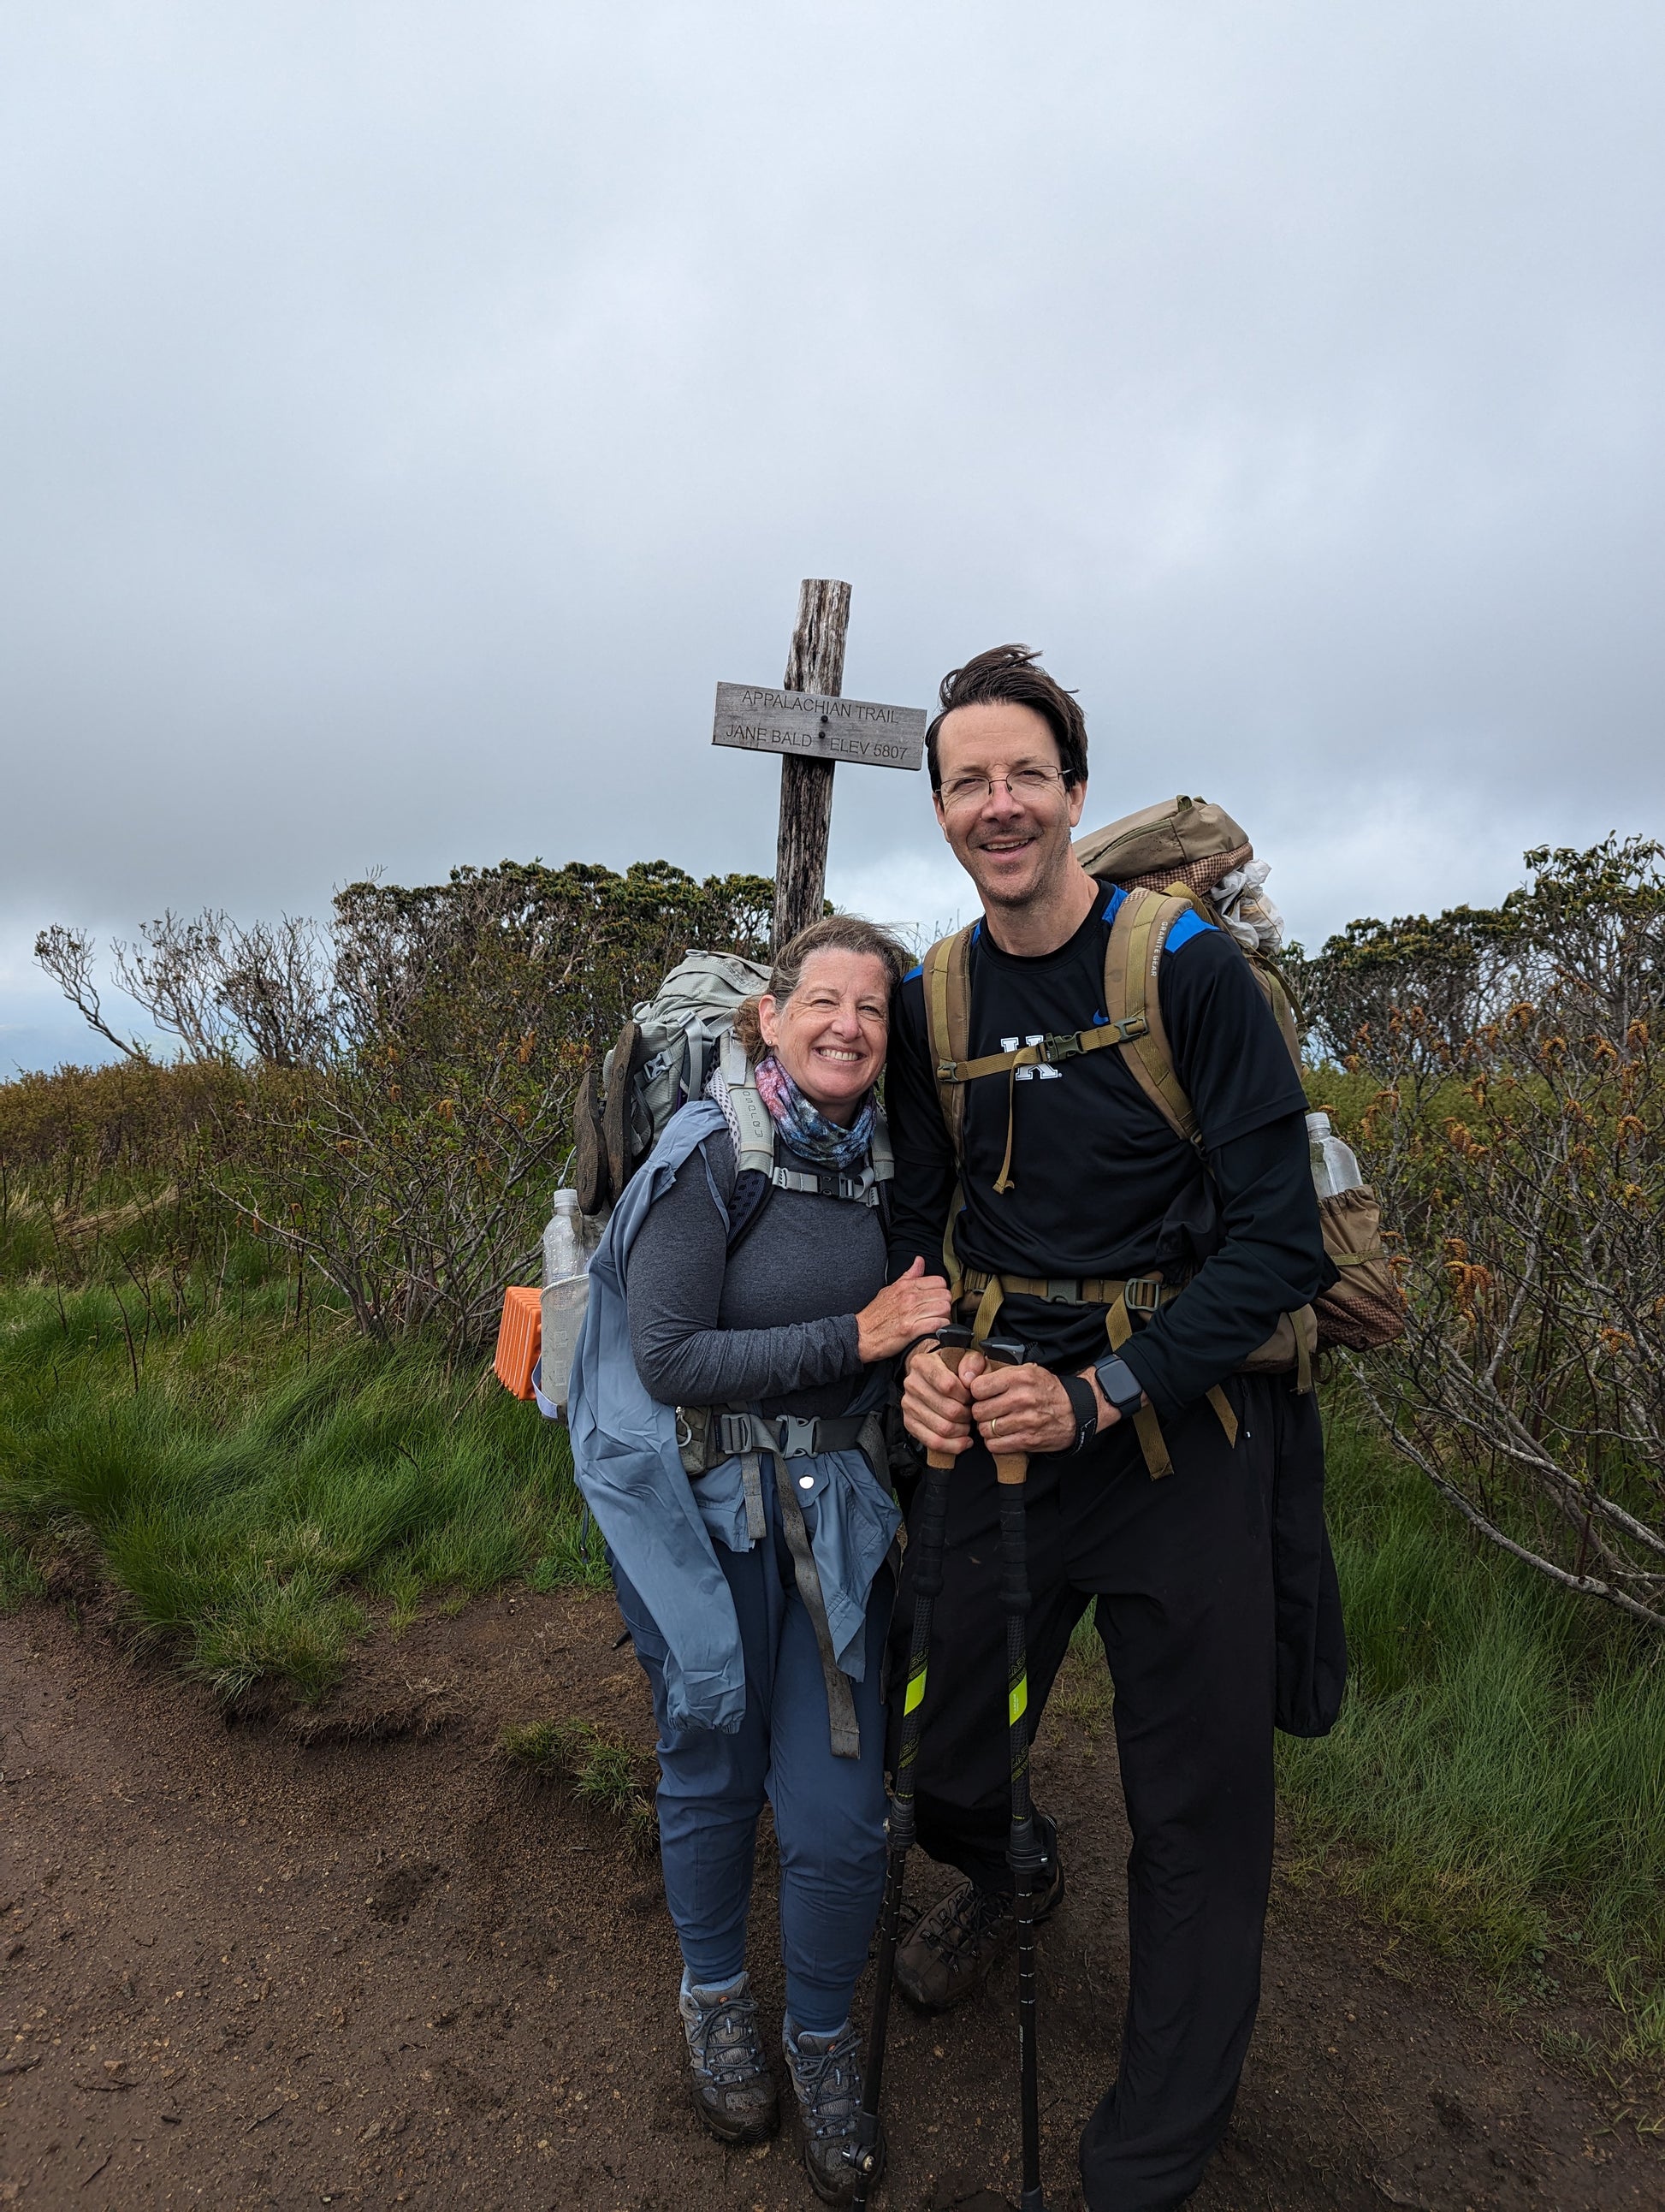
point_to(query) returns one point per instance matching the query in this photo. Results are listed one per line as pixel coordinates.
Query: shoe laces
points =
(729, 2048)
(974, 1912)
(829, 2084)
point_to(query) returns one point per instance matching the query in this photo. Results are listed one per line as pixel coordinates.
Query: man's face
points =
(1012, 841)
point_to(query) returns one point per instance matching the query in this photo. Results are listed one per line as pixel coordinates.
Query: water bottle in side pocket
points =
(1334, 1167)
(565, 1295)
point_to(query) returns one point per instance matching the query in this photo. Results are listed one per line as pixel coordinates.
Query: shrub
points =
(1516, 1134)
(390, 1100)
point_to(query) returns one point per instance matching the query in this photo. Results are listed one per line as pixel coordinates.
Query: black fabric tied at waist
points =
(747, 1436)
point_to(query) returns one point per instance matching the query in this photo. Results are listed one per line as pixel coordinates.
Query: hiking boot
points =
(827, 2074)
(950, 1949)
(733, 2088)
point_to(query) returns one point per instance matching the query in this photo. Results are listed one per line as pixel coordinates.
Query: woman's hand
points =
(916, 1305)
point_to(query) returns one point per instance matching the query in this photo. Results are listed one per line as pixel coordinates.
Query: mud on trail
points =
(357, 1961)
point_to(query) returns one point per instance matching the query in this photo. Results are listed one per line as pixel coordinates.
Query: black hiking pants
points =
(1216, 1603)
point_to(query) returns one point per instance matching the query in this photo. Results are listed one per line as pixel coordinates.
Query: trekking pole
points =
(927, 1545)
(1023, 1853)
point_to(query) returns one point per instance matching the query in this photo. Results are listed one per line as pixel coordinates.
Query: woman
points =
(756, 1585)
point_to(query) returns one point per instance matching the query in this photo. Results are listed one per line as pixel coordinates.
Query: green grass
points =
(245, 1485)
(601, 1770)
(1497, 1779)
(248, 1486)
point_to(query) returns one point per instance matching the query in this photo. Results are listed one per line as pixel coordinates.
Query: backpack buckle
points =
(1143, 1294)
(1054, 1050)
(733, 1434)
(797, 1436)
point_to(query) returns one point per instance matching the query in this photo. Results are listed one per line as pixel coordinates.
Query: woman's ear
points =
(769, 1026)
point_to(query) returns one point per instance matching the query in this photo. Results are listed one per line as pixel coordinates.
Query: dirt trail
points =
(243, 1969)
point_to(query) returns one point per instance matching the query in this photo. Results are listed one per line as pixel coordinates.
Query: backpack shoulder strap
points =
(947, 977)
(1133, 955)
(879, 1151)
(756, 1152)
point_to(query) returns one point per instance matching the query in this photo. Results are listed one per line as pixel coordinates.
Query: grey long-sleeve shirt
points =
(771, 1323)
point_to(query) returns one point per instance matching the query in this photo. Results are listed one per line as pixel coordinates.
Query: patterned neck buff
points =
(804, 1127)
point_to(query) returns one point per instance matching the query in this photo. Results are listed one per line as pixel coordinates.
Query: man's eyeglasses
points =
(1024, 783)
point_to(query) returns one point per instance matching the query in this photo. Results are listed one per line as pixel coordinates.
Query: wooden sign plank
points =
(760, 719)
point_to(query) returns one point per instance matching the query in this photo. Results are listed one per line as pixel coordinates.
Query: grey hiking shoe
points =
(826, 2072)
(950, 1949)
(733, 2088)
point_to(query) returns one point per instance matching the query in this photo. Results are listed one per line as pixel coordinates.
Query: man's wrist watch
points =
(1120, 1385)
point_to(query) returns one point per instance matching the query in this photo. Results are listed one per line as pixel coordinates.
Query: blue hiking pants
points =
(829, 1813)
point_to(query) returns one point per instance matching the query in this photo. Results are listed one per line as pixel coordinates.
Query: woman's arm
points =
(674, 1294)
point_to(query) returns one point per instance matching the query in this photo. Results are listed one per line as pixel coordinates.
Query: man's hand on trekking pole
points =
(1016, 1409)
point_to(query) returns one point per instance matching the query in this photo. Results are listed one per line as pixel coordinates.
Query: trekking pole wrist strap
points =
(1084, 1407)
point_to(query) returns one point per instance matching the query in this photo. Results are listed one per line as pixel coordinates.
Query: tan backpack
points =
(1166, 858)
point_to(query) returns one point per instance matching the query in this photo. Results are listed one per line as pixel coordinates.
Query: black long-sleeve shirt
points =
(1101, 1185)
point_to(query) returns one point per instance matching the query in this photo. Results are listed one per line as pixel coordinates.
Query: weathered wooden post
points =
(812, 726)
(815, 663)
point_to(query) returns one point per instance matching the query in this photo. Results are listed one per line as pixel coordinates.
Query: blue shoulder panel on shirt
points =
(912, 972)
(1188, 927)
(1115, 906)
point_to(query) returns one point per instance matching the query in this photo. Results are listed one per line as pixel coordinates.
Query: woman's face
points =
(830, 1035)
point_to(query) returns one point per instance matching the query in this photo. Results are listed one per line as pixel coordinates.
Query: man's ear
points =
(1078, 798)
(942, 817)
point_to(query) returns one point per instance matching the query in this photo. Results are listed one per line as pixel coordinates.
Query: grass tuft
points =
(601, 1770)
(20, 1579)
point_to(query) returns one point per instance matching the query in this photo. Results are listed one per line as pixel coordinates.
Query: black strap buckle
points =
(1055, 1050)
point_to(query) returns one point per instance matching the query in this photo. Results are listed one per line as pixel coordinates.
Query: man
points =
(1214, 1588)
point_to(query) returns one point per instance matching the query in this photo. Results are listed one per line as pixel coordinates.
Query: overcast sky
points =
(408, 412)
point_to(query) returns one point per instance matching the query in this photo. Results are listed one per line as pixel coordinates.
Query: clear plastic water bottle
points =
(566, 1294)
(1334, 1167)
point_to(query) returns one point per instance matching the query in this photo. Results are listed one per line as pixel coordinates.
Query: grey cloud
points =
(408, 413)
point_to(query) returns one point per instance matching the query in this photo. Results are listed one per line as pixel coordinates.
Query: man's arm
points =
(1272, 1261)
(1235, 1070)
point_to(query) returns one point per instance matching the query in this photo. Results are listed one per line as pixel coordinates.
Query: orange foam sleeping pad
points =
(520, 1336)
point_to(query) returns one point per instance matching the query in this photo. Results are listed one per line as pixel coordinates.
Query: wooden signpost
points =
(812, 726)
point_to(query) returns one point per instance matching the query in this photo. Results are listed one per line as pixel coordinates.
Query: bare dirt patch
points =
(352, 1957)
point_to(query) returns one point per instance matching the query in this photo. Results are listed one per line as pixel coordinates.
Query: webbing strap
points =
(1133, 955)
(751, 1481)
(843, 1729)
(988, 1308)
(947, 1019)
(1051, 1052)
(1224, 1414)
(1118, 1327)
(1144, 1293)
(1303, 1356)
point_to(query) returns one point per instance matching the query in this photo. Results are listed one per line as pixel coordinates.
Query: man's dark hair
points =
(1014, 673)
